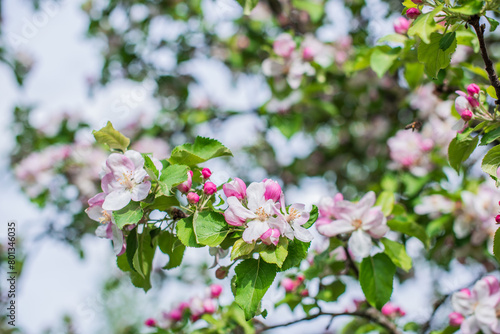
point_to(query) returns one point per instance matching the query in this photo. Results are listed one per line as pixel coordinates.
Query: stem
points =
(370, 314)
(479, 28)
(351, 263)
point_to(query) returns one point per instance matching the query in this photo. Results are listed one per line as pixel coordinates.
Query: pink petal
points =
(136, 159)
(335, 227)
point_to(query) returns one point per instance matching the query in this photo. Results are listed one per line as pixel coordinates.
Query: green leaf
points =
(202, 150)
(129, 215)
(492, 92)
(315, 9)
(439, 225)
(460, 150)
(413, 74)
(131, 247)
(470, 8)
(491, 161)
(163, 203)
(386, 201)
(253, 279)
(331, 292)
(241, 248)
(493, 23)
(409, 4)
(490, 137)
(172, 176)
(376, 275)
(143, 258)
(150, 168)
(297, 251)
(210, 228)
(431, 55)
(171, 245)
(403, 225)
(248, 5)
(112, 138)
(425, 25)
(276, 254)
(288, 124)
(382, 59)
(447, 40)
(397, 254)
(393, 38)
(313, 216)
(137, 280)
(496, 245)
(185, 232)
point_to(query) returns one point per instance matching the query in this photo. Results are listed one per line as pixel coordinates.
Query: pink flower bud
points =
(209, 188)
(338, 197)
(271, 236)
(183, 306)
(465, 292)
(186, 185)
(235, 188)
(461, 104)
(288, 284)
(412, 13)
(456, 319)
(206, 173)
(466, 115)
(389, 310)
(497, 219)
(301, 278)
(193, 198)
(208, 306)
(175, 315)
(472, 101)
(284, 45)
(417, 2)
(150, 322)
(401, 25)
(307, 54)
(473, 90)
(273, 190)
(304, 293)
(215, 290)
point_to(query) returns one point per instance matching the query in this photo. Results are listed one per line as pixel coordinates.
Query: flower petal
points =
(136, 158)
(360, 244)
(239, 210)
(301, 233)
(117, 199)
(119, 163)
(254, 230)
(335, 227)
(141, 191)
(255, 195)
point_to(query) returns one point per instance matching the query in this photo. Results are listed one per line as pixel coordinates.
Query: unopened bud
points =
(206, 173)
(412, 13)
(221, 272)
(209, 188)
(467, 115)
(193, 198)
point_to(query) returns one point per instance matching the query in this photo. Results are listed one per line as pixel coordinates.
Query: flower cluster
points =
(477, 309)
(469, 107)
(295, 63)
(295, 285)
(362, 221)
(192, 310)
(192, 195)
(261, 210)
(409, 150)
(392, 311)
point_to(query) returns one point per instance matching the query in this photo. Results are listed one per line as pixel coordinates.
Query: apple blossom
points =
(215, 290)
(473, 90)
(150, 322)
(235, 188)
(295, 216)
(288, 284)
(193, 198)
(392, 311)
(409, 150)
(456, 319)
(361, 220)
(479, 307)
(126, 180)
(284, 45)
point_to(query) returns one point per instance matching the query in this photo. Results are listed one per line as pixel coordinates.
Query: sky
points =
(56, 281)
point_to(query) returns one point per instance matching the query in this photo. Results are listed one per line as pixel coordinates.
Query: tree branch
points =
(479, 28)
(369, 314)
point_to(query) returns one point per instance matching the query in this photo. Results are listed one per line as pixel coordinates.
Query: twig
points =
(369, 314)
(479, 28)
(351, 263)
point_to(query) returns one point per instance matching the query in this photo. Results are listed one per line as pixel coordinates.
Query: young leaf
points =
(172, 176)
(431, 55)
(150, 167)
(376, 275)
(397, 253)
(492, 92)
(331, 292)
(425, 25)
(248, 5)
(490, 137)
(137, 280)
(491, 161)
(253, 279)
(386, 201)
(241, 248)
(276, 255)
(382, 59)
(210, 228)
(112, 138)
(460, 150)
(313, 216)
(185, 232)
(446, 41)
(403, 225)
(173, 247)
(202, 150)
(496, 245)
(297, 251)
(143, 258)
(129, 215)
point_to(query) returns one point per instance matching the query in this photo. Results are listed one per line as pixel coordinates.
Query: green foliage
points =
(275, 254)
(248, 5)
(433, 56)
(397, 254)
(386, 201)
(312, 217)
(376, 275)
(460, 149)
(425, 25)
(405, 225)
(172, 176)
(253, 279)
(112, 138)
(297, 251)
(491, 162)
(185, 232)
(331, 292)
(496, 245)
(210, 228)
(241, 248)
(382, 58)
(129, 215)
(202, 150)
(173, 247)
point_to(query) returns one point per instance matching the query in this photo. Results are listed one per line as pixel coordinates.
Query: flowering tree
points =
(385, 120)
